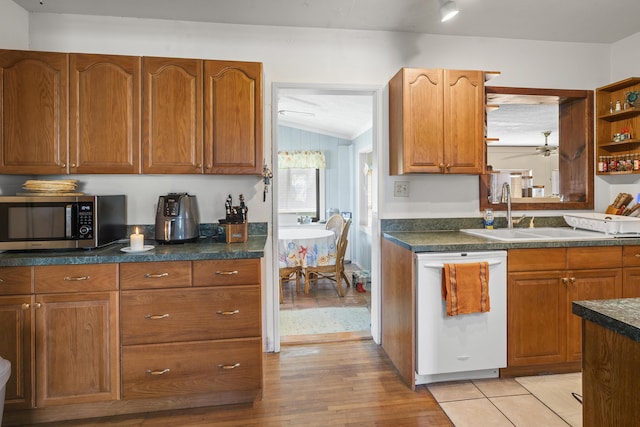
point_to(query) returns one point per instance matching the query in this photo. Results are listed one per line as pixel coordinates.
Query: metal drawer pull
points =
(637, 255)
(155, 276)
(75, 279)
(156, 316)
(227, 313)
(2, 280)
(164, 371)
(227, 273)
(26, 306)
(234, 366)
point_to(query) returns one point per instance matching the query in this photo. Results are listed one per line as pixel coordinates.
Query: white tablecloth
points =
(306, 247)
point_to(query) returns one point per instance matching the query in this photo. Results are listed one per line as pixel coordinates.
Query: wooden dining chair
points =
(335, 223)
(286, 274)
(331, 272)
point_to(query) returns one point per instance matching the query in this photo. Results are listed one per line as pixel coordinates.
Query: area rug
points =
(555, 391)
(327, 320)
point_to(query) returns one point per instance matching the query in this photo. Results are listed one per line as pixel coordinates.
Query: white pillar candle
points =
(136, 241)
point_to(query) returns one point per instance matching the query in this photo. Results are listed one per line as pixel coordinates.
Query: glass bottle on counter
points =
(527, 184)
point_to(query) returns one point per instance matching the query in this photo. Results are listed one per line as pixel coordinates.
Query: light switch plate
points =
(401, 189)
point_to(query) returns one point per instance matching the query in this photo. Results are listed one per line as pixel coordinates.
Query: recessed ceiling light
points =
(448, 10)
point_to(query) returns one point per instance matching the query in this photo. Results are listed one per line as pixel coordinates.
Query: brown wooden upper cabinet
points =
(233, 117)
(33, 112)
(436, 121)
(202, 116)
(104, 114)
(82, 113)
(172, 120)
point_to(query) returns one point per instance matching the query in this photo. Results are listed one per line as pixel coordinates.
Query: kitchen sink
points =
(537, 234)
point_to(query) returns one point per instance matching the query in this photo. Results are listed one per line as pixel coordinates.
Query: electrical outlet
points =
(401, 189)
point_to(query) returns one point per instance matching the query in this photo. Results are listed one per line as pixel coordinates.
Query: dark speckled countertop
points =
(443, 235)
(453, 240)
(618, 315)
(203, 249)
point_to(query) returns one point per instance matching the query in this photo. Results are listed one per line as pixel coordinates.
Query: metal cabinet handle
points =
(75, 279)
(1, 280)
(26, 306)
(155, 276)
(38, 305)
(226, 273)
(156, 316)
(572, 279)
(637, 255)
(565, 280)
(234, 366)
(155, 373)
(228, 313)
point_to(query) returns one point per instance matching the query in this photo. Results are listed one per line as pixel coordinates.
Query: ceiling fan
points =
(546, 149)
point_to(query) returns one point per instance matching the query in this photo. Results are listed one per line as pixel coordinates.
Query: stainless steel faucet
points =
(506, 198)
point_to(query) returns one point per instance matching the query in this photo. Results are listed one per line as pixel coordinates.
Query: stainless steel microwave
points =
(61, 222)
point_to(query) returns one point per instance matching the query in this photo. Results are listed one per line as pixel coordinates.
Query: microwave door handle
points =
(68, 216)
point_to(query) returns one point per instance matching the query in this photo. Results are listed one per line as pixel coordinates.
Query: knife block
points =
(236, 233)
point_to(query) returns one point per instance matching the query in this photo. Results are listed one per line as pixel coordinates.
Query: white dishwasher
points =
(467, 346)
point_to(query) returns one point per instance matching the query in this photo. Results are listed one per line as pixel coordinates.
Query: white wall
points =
(14, 26)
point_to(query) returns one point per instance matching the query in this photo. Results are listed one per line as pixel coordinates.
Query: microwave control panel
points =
(85, 220)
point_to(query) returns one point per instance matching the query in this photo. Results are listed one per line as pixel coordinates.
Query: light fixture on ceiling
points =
(296, 113)
(448, 10)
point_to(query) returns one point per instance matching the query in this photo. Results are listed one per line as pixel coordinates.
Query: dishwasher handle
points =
(442, 265)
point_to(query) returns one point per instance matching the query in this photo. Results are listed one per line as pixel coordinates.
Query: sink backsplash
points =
(443, 224)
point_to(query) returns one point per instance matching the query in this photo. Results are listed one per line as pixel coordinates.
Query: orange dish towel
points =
(465, 288)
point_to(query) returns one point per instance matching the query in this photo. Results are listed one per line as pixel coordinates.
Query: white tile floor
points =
(522, 402)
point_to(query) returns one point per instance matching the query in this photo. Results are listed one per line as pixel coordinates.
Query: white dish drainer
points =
(605, 223)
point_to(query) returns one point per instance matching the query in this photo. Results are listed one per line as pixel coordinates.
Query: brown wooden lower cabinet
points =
(163, 370)
(76, 342)
(543, 334)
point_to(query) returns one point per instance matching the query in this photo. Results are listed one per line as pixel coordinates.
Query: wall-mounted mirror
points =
(546, 134)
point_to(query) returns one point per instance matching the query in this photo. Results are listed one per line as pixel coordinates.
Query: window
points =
(299, 191)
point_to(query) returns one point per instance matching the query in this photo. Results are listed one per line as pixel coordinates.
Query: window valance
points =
(301, 159)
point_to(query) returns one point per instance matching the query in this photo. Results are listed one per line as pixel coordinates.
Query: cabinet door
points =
(416, 121)
(587, 285)
(631, 283)
(464, 102)
(172, 115)
(16, 345)
(33, 112)
(104, 114)
(233, 117)
(536, 309)
(77, 356)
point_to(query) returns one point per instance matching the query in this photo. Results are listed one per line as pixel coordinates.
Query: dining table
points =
(306, 247)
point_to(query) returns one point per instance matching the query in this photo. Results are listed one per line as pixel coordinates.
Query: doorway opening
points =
(324, 155)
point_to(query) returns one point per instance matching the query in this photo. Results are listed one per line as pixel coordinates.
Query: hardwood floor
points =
(329, 384)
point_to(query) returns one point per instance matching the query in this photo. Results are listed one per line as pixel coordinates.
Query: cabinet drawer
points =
(16, 280)
(536, 259)
(150, 275)
(164, 315)
(631, 256)
(76, 278)
(191, 368)
(594, 257)
(226, 272)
